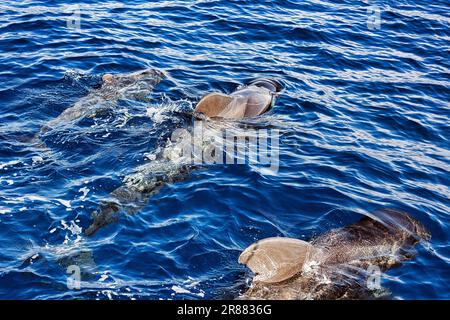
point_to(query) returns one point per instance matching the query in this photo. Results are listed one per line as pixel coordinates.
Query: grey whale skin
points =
(336, 264)
(114, 87)
(251, 100)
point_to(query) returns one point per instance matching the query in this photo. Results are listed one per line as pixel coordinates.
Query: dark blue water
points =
(363, 120)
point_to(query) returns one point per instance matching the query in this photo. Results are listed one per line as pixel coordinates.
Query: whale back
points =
(385, 238)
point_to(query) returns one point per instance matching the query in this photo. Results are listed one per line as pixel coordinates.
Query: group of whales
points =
(331, 266)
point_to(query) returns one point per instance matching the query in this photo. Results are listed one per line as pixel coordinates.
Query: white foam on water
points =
(108, 294)
(9, 182)
(103, 277)
(178, 289)
(5, 166)
(161, 112)
(150, 156)
(74, 74)
(85, 191)
(37, 159)
(72, 227)
(188, 286)
(65, 203)
(4, 210)
(124, 118)
(311, 266)
(32, 197)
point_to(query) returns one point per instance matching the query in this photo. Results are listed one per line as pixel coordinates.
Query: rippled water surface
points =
(363, 120)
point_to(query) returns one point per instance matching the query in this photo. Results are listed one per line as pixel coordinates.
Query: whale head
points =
(251, 100)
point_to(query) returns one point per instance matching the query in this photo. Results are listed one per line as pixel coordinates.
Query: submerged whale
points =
(114, 87)
(335, 265)
(251, 100)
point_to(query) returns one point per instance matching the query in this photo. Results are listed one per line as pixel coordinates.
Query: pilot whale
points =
(335, 265)
(114, 87)
(252, 100)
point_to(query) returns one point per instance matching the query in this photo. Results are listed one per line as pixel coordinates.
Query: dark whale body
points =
(114, 87)
(251, 100)
(335, 265)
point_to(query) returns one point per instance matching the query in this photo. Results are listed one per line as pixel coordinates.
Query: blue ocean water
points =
(363, 121)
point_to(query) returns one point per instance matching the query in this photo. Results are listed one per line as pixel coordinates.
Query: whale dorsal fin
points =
(276, 259)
